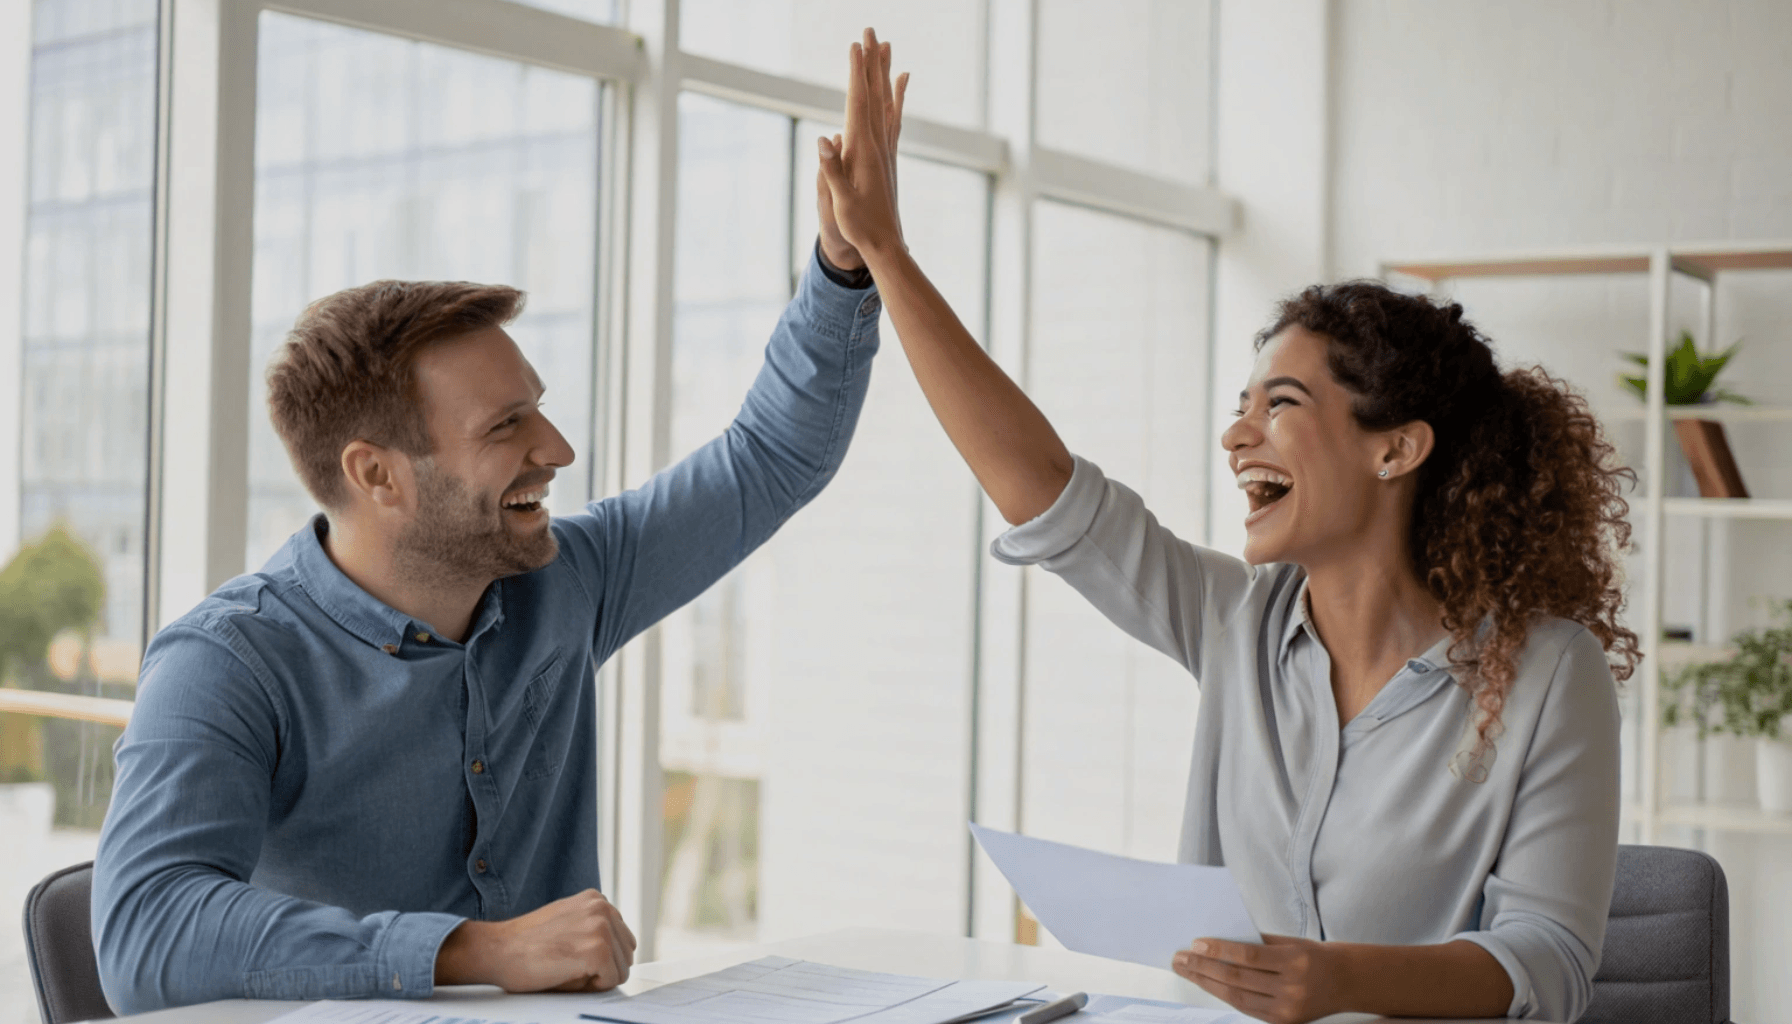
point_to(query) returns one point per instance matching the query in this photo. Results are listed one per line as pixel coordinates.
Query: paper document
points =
(1118, 907)
(375, 1011)
(779, 989)
(1122, 1010)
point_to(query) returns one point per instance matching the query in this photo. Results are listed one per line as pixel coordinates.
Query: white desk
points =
(871, 949)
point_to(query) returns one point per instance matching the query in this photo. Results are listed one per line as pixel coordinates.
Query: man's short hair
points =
(345, 372)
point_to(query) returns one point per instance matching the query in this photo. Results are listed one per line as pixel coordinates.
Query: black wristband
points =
(855, 279)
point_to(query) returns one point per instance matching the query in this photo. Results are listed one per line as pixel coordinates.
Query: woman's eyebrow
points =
(1293, 382)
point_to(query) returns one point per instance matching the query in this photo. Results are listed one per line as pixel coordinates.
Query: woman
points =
(1407, 751)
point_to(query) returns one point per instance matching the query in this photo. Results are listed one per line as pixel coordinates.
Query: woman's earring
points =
(1383, 474)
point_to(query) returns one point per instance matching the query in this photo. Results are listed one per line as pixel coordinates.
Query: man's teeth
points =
(526, 498)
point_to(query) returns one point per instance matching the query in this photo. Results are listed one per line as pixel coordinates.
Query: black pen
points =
(1053, 1010)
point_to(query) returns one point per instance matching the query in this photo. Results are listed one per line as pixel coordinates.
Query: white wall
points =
(1463, 126)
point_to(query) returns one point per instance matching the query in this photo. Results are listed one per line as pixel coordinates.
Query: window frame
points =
(200, 364)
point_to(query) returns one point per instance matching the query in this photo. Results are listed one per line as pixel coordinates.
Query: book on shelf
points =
(1708, 455)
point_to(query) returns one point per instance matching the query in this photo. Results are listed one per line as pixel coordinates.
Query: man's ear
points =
(1404, 449)
(377, 476)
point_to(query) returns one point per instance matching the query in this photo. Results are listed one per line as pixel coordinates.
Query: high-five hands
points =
(856, 188)
(575, 944)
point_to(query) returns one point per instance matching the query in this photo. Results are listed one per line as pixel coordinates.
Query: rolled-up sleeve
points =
(1545, 902)
(175, 919)
(1099, 537)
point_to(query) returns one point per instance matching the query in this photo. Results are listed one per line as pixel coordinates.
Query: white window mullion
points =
(209, 193)
(1001, 670)
(497, 27)
(645, 388)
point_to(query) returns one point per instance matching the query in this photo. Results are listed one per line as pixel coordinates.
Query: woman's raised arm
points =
(1002, 435)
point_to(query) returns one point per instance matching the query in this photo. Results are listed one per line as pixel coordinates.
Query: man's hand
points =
(1283, 981)
(856, 189)
(579, 943)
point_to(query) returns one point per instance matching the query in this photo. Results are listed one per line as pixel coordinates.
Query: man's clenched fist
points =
(577, 943)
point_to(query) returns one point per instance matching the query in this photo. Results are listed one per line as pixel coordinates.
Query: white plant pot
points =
(1773, 773)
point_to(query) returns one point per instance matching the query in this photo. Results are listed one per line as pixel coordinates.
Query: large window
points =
(1119, 363)
(377, 157)
(76, 398)
(816, 702)
(940, 41)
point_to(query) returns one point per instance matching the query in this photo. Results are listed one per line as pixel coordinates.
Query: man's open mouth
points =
(526, 501)
(1264, 487)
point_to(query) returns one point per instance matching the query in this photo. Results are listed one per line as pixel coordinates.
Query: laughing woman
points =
(1407, 751)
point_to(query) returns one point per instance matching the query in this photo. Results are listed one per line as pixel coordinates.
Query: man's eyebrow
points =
(517, 406)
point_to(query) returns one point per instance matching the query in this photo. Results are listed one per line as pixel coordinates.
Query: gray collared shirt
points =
(1382, 831)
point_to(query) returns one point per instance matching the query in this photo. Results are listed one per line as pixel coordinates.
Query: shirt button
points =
(390, 648)
(478, 767)
(423, 638)
(479, 865)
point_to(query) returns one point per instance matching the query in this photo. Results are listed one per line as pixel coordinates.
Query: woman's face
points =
(1307, 467)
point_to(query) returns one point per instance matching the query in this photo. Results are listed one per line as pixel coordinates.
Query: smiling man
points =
(371, 768)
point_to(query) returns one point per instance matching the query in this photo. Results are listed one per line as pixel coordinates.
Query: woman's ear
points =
(376, 476)
(1404, 449)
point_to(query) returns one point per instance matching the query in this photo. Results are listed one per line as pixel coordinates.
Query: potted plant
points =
(1690, 378)
(1748, 694)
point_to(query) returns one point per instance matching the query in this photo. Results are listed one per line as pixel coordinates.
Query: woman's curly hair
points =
(1520, 510)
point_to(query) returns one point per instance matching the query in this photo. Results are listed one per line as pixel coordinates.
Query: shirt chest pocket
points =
(549, 723)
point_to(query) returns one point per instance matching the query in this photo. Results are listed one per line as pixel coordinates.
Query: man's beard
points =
(457, 538)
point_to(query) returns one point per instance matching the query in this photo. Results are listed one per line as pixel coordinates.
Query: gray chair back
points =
(59, 944)
(1667, 941)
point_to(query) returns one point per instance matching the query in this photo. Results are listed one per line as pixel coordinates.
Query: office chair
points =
(59, 945)
(1667, 941)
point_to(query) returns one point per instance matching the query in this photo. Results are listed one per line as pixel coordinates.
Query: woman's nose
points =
(1243, 433)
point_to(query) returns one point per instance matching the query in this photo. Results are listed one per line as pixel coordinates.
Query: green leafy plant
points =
(1746, 695)
(1690, 377)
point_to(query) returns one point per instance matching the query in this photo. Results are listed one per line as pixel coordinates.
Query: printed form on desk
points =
(779, 989)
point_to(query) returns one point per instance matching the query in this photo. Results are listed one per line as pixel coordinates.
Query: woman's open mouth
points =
(1263, 487)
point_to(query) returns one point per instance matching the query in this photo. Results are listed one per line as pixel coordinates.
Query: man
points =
(371, 767)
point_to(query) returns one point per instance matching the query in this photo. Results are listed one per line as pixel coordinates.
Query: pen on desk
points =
(1053, 1010)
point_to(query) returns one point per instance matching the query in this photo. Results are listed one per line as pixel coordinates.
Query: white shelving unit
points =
(1705, 264)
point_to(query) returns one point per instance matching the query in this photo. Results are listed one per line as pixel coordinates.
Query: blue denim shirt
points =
(314, 789)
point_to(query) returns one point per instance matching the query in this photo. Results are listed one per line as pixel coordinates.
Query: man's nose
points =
(553, 449)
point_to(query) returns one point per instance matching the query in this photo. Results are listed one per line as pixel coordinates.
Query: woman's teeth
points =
(1264, 487)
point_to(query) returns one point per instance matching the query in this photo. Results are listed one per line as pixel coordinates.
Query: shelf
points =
(1728, 508)
(1721, 413)
(1700, 261)
(1678, 654)
(1723, 817)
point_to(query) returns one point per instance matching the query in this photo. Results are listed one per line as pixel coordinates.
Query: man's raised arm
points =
(646, 552)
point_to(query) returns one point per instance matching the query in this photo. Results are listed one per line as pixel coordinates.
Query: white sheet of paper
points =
(777, 988)
(1122, 1010)
(1118, 907)
(375, 1011)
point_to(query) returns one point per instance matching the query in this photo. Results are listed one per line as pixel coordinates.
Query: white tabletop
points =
(941, 956)
(873, 949)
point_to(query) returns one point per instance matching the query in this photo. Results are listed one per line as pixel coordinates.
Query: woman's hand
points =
(1283, 981)
(856, 188)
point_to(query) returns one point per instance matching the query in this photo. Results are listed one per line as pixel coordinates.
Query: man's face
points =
(481, 495)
